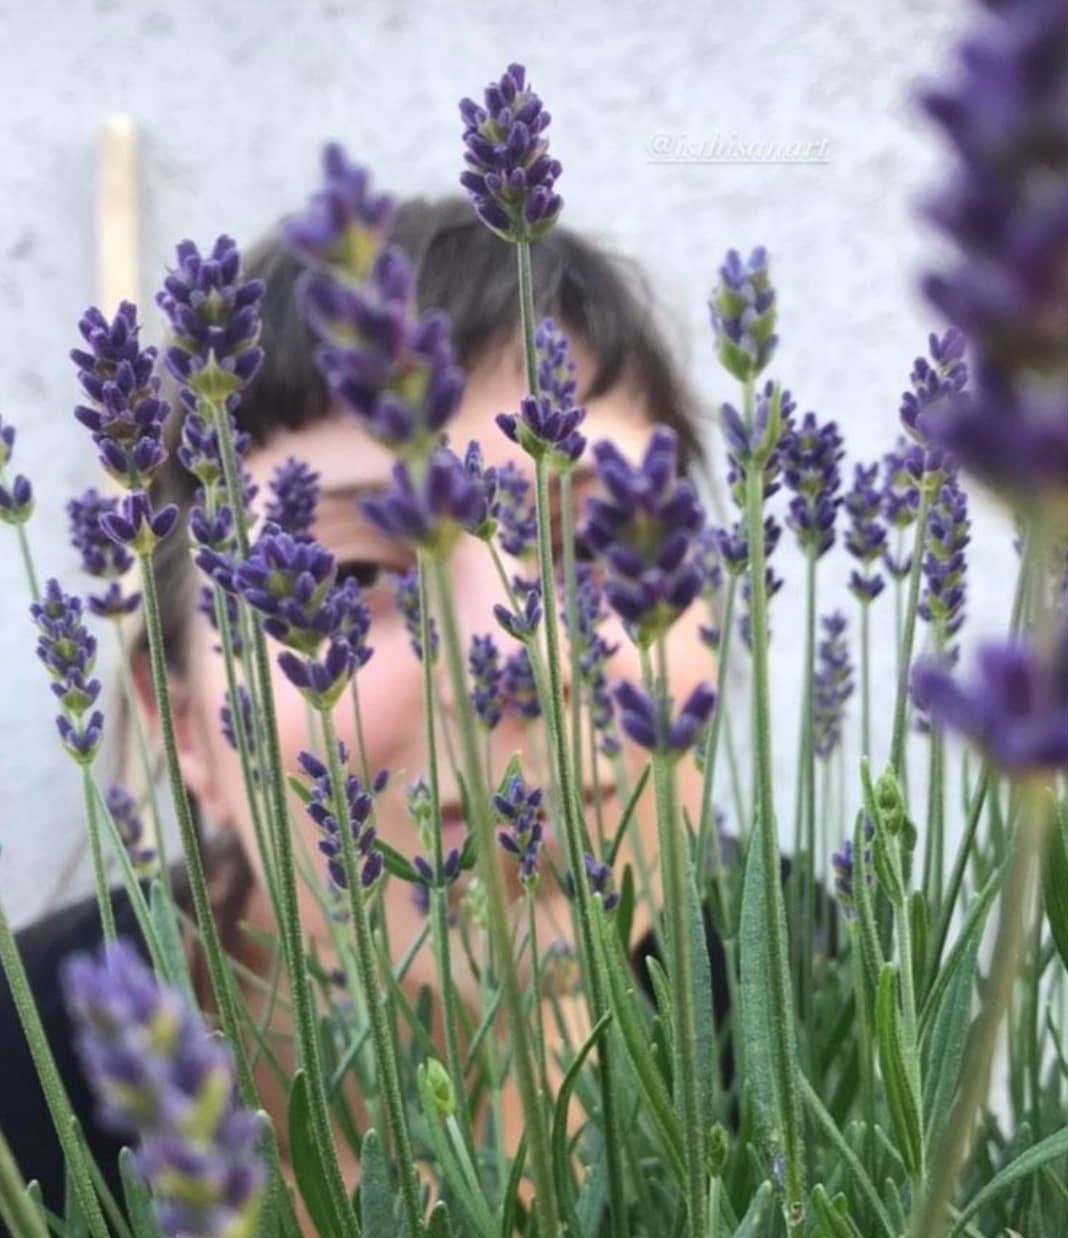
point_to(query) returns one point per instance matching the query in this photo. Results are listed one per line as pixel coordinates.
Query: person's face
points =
(390, 686)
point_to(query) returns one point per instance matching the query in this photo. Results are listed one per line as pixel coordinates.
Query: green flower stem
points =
(100, 877)
(865, 677)
(308, 1045)
(385, 1049)
(803, 883)
(535, 972)
(51, 1084)
(16, 1210)
(27, 557)
(534, 1104)
(674, 849)
(934, 843)
(784, 1036)
(567, 537)
(928, 486)
(575, 830)
(733, 769)
(930, 1211)
(439, 898)
(133, 712)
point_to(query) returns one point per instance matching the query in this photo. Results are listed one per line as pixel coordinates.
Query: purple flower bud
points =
(101, 556)
(509, 175)
(214, 319)
(17, 504)
(68, 651)
(406, 600)
(160, 1076)
(599, 879)
(866, 538)
(810, 456)
(522, 835)
(742, 310)
(521, 625)
(644, 533)
(123, 808)
(1016, 706)
(556, 370)
(517, 522)
(638, 718)
(519, 687)
(294, 488)
(345, 223)
(136, 525)
(942, 600)
(546, 429)
(433, 510)
(832, 686)
(359, 805)
(487, 698)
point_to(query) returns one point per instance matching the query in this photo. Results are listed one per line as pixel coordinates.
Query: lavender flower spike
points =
(102, 557)
(68, 651)
(1015, 708)
(360, 803)
(214, 317)
(159, 1075)
(16, 502)
(742, 310)
(833, 686)
(645, 533)
(510, 176)
(638, 717)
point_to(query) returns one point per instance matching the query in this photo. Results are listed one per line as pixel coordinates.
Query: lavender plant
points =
(846, 1091)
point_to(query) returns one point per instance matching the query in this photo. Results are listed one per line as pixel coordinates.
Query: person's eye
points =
(366, 572)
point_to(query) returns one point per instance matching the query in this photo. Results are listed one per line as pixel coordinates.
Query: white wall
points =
(233, 101)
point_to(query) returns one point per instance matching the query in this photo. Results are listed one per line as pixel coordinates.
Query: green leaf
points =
(77, 1225)
(376, 1199)
(758, 1050)
(973, 923)
(165, 921)
(137, 1197)
(704, 1022)
(1055, 885)
(1029, 1162)
(624, 914)
(438, 1225)
(831, 1216)
(511, 1194)
(854, 1169)
(754, 1223)
(918, 933)
(949, 1023)
(904, 1113)
(560, 1143)
(308, 1169)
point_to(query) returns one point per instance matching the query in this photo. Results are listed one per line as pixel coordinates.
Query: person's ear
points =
(195, 758)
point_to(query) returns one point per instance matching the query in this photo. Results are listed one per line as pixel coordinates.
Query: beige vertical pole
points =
(117, 208)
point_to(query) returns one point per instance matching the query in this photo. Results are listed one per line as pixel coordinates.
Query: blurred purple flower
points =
(832, 686)
(742, 310)
(102, 557)
(294, 497)
(866, 537)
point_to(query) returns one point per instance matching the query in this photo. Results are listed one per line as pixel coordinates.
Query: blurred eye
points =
(365, 572)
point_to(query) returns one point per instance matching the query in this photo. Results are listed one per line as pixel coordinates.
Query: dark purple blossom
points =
(522, 624)
(842, 867)
(136, 525)
(160, 1076)
(207, 605)
(639, 719)
(214, 319)
(406, 600)
(772, 581)
(594, 653)
(102, 557)
(484, 477)
(520, 689)
(544, 428)
(509, 173)
(758, 442)
(68, 651)
(359, 804)
(294, 497)
(1016, 706)
(200, 453)
(244, 718)
(810, 454)
(345, 224)
(16, 500)
(125, 415)
(600, 882)
(942, 600)
(393, 370)
(742, 310)
(484, 662)
(522, 820)
(556, 370)
(124, 812)
(1004, 205)
(432, 510)
(517, 521)
(425, 880)
(934, 383)
(866, 537)
(832, 685)
(644, 532)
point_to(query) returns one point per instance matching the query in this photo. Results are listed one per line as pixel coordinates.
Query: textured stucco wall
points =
(233, 100)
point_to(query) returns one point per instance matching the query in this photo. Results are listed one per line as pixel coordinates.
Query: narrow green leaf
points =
(831, 1216)
(137, 1197)
(854, 1169)
(77, 1225)
(168, 935)
(307, 1168)
(511, 1194)
(704, 1021)
(756, 997)
(376, 1199)
(438, 1225)
(755, 1222)
(943, 1050)
(900, 1100)
(1055, 885)
(565, 1191)
(973, 924)
(918, 933)
(593, 1194)
(1029, 1162)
